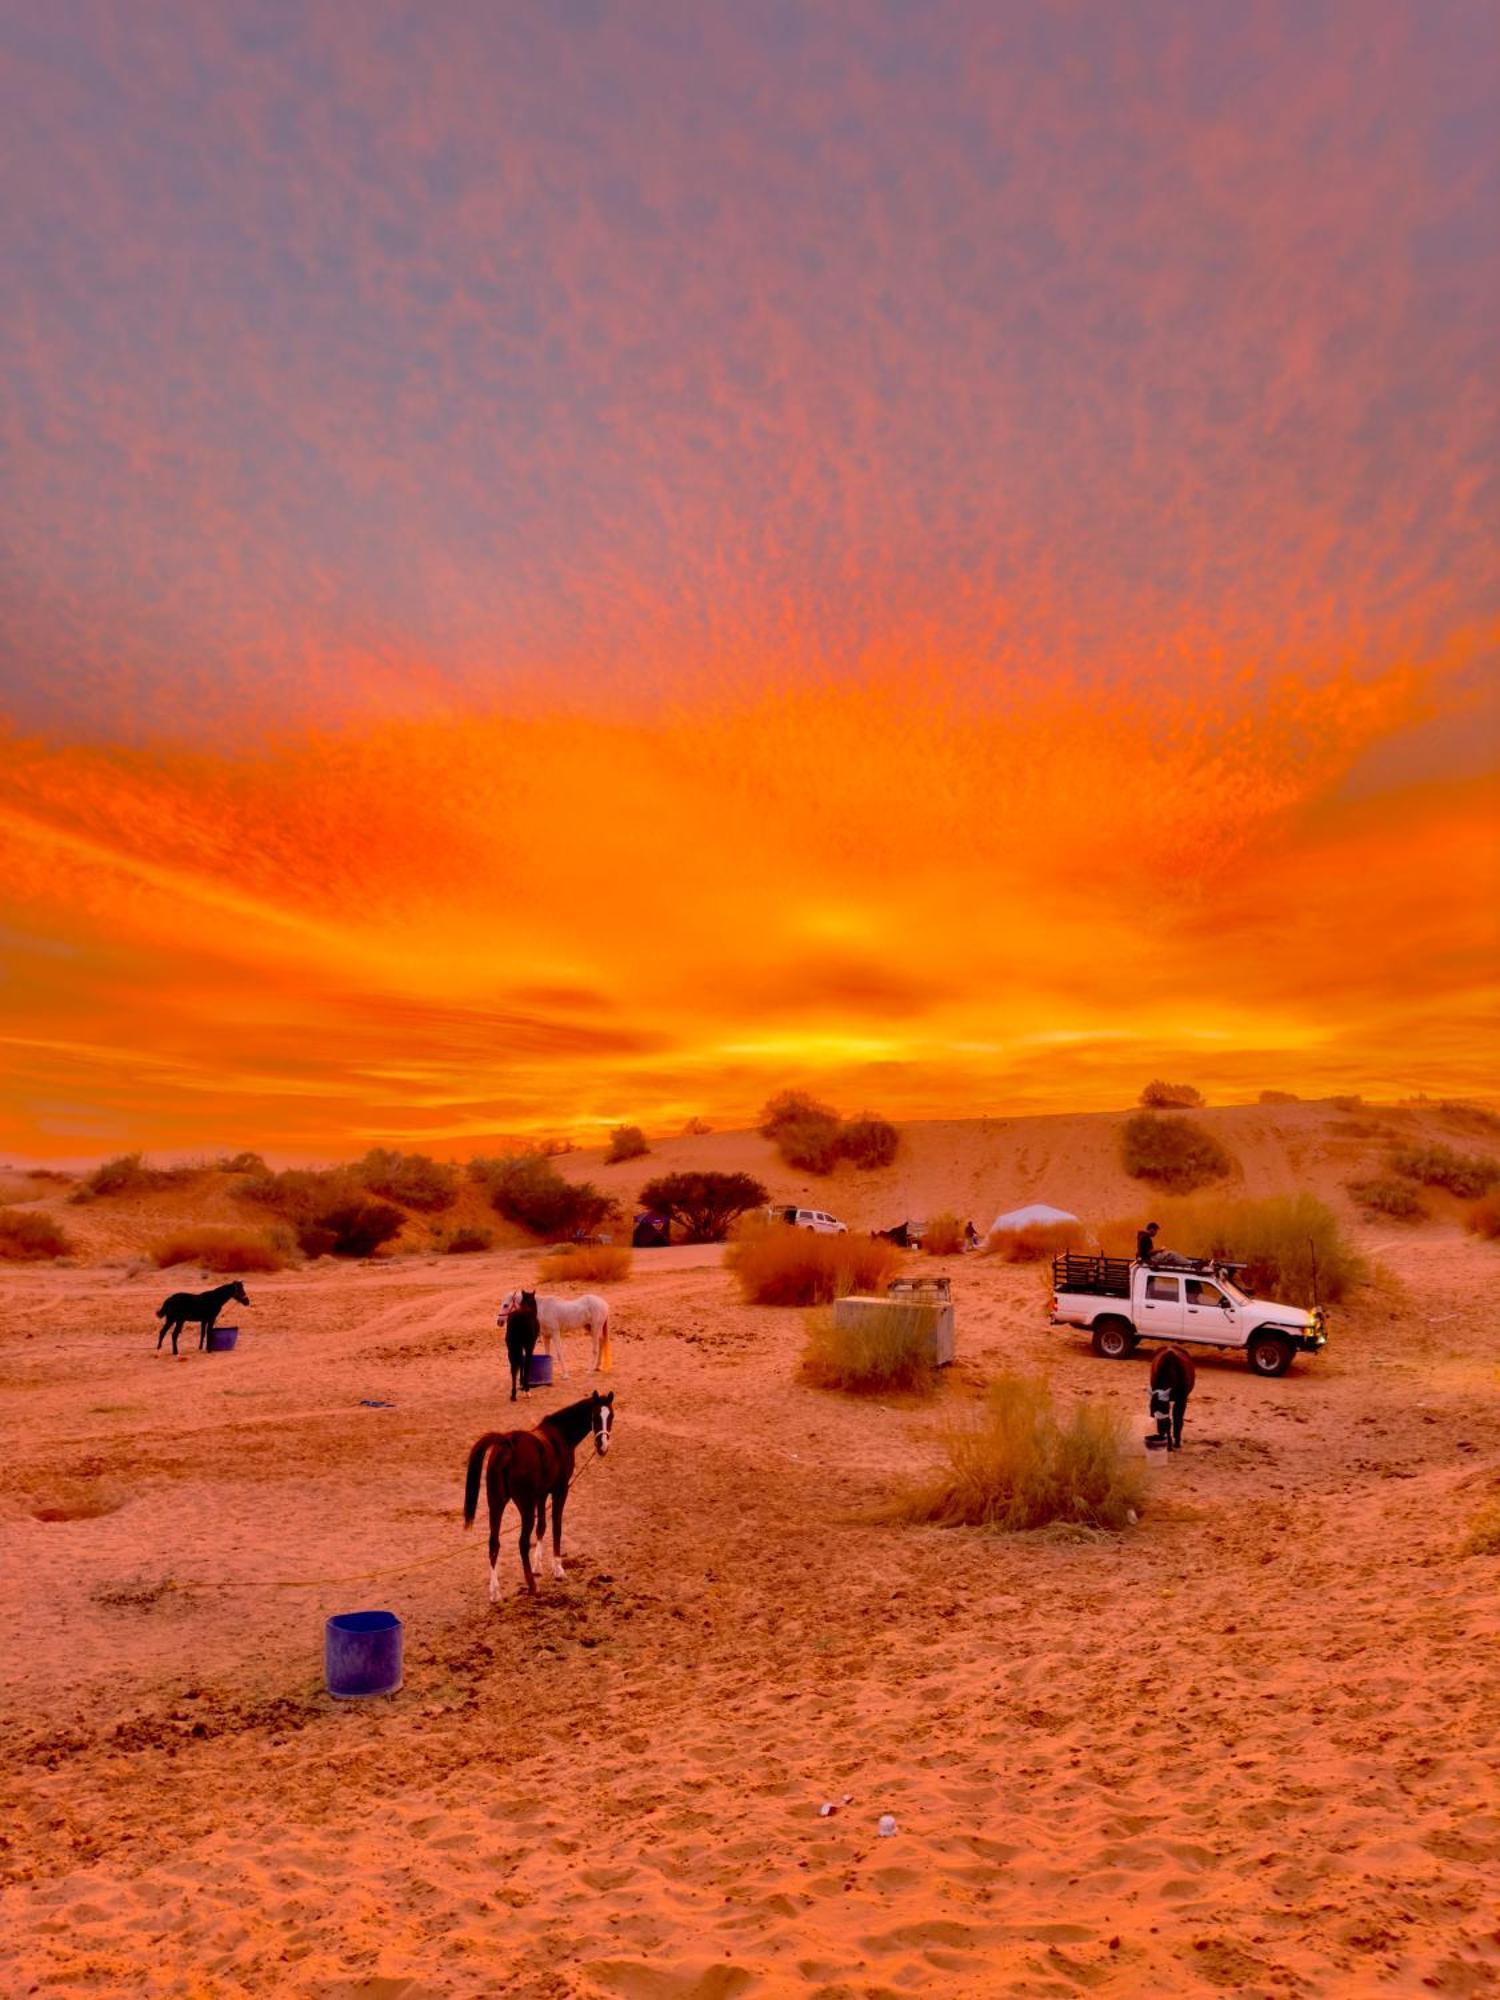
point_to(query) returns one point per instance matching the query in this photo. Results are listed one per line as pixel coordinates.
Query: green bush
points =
(241, 1163)
(810, 1144)
(1173, 1153)
(128, 1173)
(1279, 1097)
(793, 1107)
(1284, 1243)
(1390, 1198)
(527, 1189)
(29, 1238)
(464, 1241)
(626, 1142)
(1466, 1174)
(355, 1228)
(868, 1142)
(412, 1179)
(1159, 1096)
(1018, 1465)
(704, 1204)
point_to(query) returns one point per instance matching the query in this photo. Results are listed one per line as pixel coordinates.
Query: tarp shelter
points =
(651, 1232)
(1040, 1215)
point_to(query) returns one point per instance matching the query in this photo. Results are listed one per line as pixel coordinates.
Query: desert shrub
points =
(464, 1242)
(232, 1251)
(1392, 1198)
(1159, 1096)
(1483, 1219)
(1281, 1242)
(527, 1188)
(354, 1228)
(810, 1144)
(880, 1352)
(944, 1235)
(1174, 1153)
(867, 1142)
(626, 1142)
(1345, 1103)
(601, 1262)
(794, 1267)
(1279, 1097)
(1038, 1242)
(793, 1107)
(241, 1163)
(296, 1193)
(1467, 1117)
(28, 1238)
(704, 1204)
(128, 1173)
(1018, 1464)
(410, 1178)
(1467, 1174)
(696, 1128)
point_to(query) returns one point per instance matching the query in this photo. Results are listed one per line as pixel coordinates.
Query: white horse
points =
(557, 1316)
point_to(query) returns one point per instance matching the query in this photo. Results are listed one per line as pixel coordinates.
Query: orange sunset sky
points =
(583, 564)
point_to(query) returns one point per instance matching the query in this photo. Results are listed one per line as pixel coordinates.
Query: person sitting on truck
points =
(1145, 1242)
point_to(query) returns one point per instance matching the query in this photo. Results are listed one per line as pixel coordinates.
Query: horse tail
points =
(161, 1310)
(476, 1466)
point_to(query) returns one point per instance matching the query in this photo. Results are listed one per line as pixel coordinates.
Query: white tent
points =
(1038, 1216)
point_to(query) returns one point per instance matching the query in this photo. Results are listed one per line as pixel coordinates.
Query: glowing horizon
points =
(571, 575)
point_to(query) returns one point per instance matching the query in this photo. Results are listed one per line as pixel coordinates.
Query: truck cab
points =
(1121, 1301)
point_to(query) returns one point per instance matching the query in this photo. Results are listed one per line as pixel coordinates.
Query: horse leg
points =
(559, 1499)
(162, 1335)
(557, 1350)
(528, 1517)
(541, 1522)
(497, 1508)
(177, 1326)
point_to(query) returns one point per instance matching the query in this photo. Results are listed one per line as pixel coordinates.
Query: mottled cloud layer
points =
(562, 563)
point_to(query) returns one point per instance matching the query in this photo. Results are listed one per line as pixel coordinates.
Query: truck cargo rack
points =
(1094, 1277)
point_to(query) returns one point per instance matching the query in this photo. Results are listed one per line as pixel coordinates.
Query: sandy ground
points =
(1248, 1747)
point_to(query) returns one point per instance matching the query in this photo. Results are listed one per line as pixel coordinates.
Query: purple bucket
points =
(362, 1654)
(539, 1376)
(222, 1338)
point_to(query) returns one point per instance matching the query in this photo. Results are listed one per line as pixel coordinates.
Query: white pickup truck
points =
(1121, 1302)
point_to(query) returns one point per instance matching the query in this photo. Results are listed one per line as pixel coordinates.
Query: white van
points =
(816, 1219)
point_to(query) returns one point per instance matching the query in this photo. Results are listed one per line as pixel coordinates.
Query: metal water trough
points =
(933, 1308)
(539, 1375)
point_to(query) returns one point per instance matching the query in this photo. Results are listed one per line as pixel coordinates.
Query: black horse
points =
(1172, 1379)
(520, 1342)
(531, 1467)
(205, 1307)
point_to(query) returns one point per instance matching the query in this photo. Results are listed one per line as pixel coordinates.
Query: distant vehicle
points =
(1122, 1302)
(816, 1219)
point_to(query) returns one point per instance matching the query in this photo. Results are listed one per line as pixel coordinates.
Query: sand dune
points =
(1242, 1749)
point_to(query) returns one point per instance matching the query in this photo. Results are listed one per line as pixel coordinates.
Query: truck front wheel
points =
(1268, 1354)
(1114, 1339)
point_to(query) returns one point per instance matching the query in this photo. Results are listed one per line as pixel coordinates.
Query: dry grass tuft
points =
(1174, 1153)
(943, 1236)
(1278, 1097)
(1468, 1175)
(889, 1350)
(32, 1239)
(1483, 1538)
(604, 1262)
(231, 1251)
(1018, 1464)
(1282, 1242)
(1396, 1200)
(793, 1267)
(128, 1173)
(1038, 1242)
(466, 1241)
(1483, 1219)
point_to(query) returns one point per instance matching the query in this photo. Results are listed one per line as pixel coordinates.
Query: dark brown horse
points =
(1172, 1379)
(531, 1467)
(204, 1307)
(521, 1331)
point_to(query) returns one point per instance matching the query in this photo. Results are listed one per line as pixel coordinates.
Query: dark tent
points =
(651, 1232)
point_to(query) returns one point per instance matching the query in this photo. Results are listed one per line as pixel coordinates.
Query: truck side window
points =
(1164, 1289)
(1201, 1294)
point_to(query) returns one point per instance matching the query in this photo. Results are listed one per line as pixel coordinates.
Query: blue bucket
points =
(539, 1376)
(222, 1338)
(362, 1654)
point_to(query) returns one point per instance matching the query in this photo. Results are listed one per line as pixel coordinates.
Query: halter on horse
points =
(530, 1467)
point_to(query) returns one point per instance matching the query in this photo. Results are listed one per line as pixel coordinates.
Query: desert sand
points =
(1246, 1748)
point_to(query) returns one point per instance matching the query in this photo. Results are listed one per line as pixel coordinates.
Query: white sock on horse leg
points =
(494, 1583)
